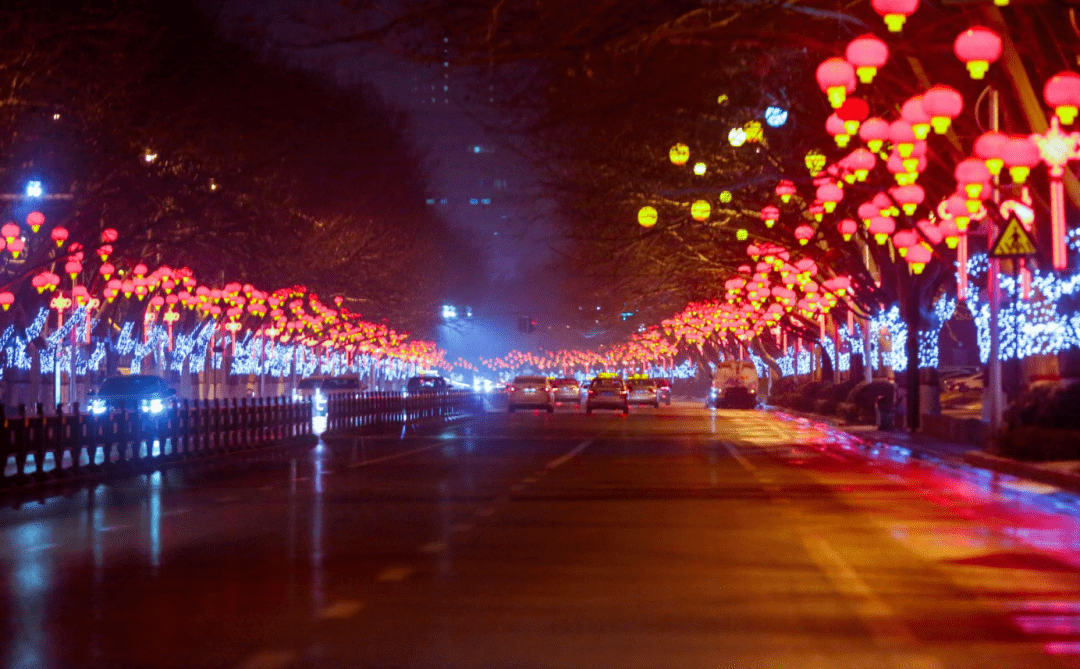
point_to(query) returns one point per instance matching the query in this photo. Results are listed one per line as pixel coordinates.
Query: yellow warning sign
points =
(1014, 242)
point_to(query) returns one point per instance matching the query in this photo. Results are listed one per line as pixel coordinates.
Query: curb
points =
(1065, 480)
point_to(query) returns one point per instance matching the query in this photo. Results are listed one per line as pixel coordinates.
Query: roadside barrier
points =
(347, 411)
(36, 448)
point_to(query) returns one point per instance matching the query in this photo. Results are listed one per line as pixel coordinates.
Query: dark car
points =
(736, 397)
(148, 394)
(607, 392)
(419, 385)
(663, 391)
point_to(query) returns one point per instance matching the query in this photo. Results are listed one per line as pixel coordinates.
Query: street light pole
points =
(995, 396)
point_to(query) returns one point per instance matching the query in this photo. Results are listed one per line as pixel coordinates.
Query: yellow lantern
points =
(647, 216)
(679, 154)
(699, 169)
(725, 196)
(754, 131)
(700, 210)
(815, 162)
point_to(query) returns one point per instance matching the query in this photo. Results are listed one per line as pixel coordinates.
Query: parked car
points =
(663, 391)
(607, 392)
(642, 390)
(961, 380)
(418, 385)
(319, 388)
(567, 391)
(734, 385)
(145, 393)
(530, 392)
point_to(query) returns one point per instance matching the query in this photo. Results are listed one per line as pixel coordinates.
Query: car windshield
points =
(530, 381)
(131, 385)
(562, 383)
(607, 383)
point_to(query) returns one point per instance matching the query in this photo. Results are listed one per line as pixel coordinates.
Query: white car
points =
(567, 391)
(530, 392)
(642, 391)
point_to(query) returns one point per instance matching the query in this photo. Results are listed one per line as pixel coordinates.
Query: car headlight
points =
(153, 407)
(98, 406)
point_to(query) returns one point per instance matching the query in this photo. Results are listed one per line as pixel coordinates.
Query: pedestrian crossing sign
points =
(1014, 242)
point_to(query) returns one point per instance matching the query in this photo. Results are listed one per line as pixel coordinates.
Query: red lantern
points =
(930, 232)
(943, 103)
(867, 212)
(915, 113)
(977, 47)
(867, 54)
(785, 189)
(16, 247)
(817, 210)
(1020, 155)
(1062, 92)
(109, 235)
(853, 112)
(73, 267)
(861, 161)
(881, 227)
(874, 131)
(918, 256)
(830, 194)
(909, 197)
(804, 233)
(35, 220)
(770, 214)
(956, 207)
(836, 77)
(847, 228)
(990, 147)
(834, 125)
(902, 135)
(895, 12)
(903, 240)
(40, 281)
(10, 231)
(971, 175)
(107, 270)
(951, 233)
(59, 235)
(6, 300)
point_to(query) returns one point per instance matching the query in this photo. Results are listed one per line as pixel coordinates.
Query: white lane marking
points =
(566, 458)
(433, 547)
(394, 574)
(750, 466)
(878, 617)
(394, 456)
(269, 659)
(461, 527)
(485, 511)
(341, 610)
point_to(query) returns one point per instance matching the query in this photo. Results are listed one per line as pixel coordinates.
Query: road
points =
(682, 537)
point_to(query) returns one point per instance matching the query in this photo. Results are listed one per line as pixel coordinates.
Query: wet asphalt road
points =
(682, 537)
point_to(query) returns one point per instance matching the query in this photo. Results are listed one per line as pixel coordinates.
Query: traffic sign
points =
(1014, 242)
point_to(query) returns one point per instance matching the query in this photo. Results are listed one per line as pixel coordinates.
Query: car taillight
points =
(510, 389)
(592, 392)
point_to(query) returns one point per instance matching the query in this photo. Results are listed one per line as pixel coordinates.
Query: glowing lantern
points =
(951, 233)
(16, 247)
(11, 232)
(931, 232)
(1020, 155)
(815, 162)
(59, 235)
(741, 234)
(895, 12)
(915, 113)
(817, 210)
(874, 131)
(699, 169)
(903, 240)
(909, 197)
(804, 233)
(868, 211)
(647, 216)
(6, 300)
(35, 220)
(881, 227)
(725, 196)
(836, 77)
(989, 146)
(847, 228)
(700, 210)
(977, 47)
(853, 112)
(73, 267)
(107, 270)
(861, 161)
(40, 281)
(830, 194)
(1062, 92)
(754, 131)
(902, 135)
(917, 257)
(943, 104)
(867, 54)
(736, 137)
(679, 154)
(972, 175)
(834, 125)
(957, 208)
(770, 214)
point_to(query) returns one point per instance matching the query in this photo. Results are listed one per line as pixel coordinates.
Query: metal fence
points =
(37, 448)
(347, 411)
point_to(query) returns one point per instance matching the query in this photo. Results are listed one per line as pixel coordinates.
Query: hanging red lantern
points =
(853, 112)
(1020, 154)
(861, 161)
(918, 257)
(830, 194)
(971, 175)
(909, 197)
(874, 131)
(881, 227)
(990, 146)
(785, 189)
(867, 54)
(943, 104)
(59, 235)
(770, 214)
(902, 136)
(895, 12)
(10, 231)
(1062, 92)
(868, 211)
(804, 233)
(836, 77)
(903, 240)
(16, 247)
(35, 220)
(956, 207)
(107, 270)
(72, 268)
(847, 228)
(6, 299)
(40, 281)
(914, 112)
(834, 125)
(817, 210)
(977, 47)
(109, 235)
(950, 232)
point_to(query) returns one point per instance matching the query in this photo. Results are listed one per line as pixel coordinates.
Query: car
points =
(642, 390)
(734, 385)
(146, 393)
(567, 391)
(663, 391)
(319, 388)
(962, 382)
(530, 392)
(607, 392)
(419, 385)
